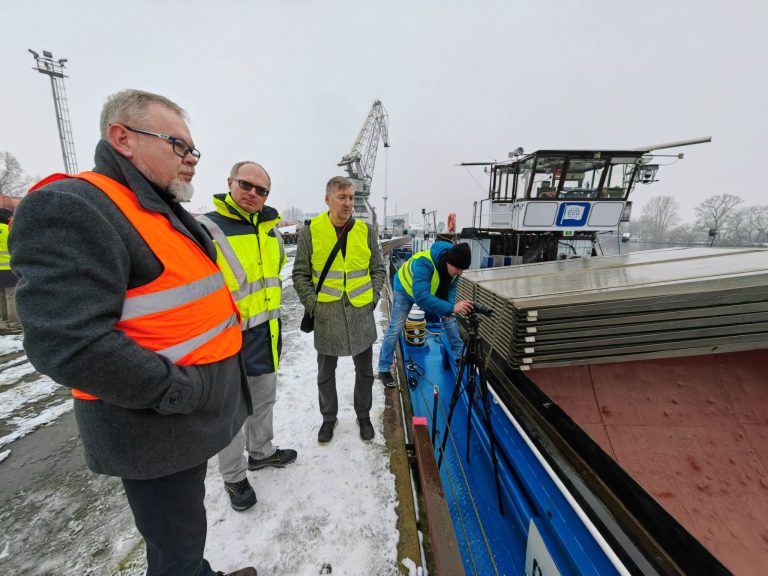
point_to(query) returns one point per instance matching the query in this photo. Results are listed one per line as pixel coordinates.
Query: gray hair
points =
(337, 183)
(131, 105)
(236, 169)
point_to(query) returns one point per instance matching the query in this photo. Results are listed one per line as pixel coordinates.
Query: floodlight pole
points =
(45, 64)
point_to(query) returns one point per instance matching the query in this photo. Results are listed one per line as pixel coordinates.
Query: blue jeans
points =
(401, 306)
(451, 330)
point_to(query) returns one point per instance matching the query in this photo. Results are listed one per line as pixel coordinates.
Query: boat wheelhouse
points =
(552, 204)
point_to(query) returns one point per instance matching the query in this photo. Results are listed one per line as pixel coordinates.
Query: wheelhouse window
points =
(620, 178)
(582, 178)
(524, 177)
(547, 177)
(565, 175)
(502, 183)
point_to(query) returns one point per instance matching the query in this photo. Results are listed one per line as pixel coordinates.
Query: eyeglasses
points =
(247, 186)
(180, 147)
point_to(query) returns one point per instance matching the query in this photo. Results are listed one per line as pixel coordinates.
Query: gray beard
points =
(181, 191)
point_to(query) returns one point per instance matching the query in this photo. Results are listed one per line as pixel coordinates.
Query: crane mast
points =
(55, 71)
(360, 161)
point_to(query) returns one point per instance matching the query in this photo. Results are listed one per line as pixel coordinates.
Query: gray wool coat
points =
(76, 255)
(341, 329)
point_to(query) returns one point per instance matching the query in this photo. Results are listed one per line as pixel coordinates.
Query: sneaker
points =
(366, 429)
(280, 459)
(241, 495)
(387, 380)
(326, 431)
(242, 572)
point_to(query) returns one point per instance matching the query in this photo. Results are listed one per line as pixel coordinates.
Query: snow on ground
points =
(335, 505)
(333, 509)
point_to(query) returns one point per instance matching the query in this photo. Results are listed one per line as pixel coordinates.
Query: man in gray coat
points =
(343, 307)
(120, 300)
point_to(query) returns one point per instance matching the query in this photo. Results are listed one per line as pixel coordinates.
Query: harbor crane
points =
(359, 162)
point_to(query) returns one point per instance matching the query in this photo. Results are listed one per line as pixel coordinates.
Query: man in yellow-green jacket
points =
(7, 278)
(249, 250)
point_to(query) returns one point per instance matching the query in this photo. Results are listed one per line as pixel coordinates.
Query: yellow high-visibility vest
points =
(405, 273)
(349, 273)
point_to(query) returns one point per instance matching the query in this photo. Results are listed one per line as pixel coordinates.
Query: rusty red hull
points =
(693, 431)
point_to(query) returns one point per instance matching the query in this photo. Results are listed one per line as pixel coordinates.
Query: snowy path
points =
(335, 506)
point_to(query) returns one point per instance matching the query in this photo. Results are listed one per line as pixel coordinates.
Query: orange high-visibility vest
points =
(186, 314)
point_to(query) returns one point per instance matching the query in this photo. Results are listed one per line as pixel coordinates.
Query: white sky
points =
(289, 84)
(335, 505)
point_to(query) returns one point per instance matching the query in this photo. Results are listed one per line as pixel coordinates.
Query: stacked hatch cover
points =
(652, 304)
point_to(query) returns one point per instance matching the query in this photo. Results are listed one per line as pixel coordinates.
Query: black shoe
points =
(366, 429)
(387, 380)
(241, 495)
(326, 431)
(280, 459)
(242, 572)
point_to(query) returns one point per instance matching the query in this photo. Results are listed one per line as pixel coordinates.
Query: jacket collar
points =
(226, 206)
(117, 167)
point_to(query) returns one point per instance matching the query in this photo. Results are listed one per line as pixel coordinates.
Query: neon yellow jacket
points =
(250, 252)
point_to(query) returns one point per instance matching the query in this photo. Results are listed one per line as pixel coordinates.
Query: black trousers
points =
(170, 515)
(326, 384)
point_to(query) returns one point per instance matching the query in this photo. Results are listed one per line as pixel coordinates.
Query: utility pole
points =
(45, 64)
(385, 201)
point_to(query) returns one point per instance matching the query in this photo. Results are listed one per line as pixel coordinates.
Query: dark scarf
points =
(445, 278)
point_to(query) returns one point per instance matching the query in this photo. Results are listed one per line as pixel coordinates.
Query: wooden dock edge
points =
(445, 548)
(408, 544)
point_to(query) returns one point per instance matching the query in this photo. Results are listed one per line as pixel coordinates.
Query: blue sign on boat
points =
(573, 214)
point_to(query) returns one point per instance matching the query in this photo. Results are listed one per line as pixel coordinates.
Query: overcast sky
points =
(289, 84)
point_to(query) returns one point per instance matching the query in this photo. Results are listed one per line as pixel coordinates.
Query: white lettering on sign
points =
(573, 212)
(538, 561)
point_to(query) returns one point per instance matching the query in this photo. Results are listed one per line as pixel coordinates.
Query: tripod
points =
(472, 363)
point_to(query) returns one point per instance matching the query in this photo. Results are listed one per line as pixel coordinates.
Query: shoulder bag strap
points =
(331, 258)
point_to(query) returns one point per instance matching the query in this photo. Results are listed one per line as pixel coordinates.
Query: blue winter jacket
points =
(422, 282)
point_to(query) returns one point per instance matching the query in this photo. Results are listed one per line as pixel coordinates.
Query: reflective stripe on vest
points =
(244, 287)
(348, 273)
(5, 256)
(187, 313)
(405, 273)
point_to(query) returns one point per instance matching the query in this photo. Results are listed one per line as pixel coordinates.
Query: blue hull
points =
(542, 531)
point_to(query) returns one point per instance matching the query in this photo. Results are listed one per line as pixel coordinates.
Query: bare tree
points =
(738, 229)
(717, 212)
(13, 180)
(659, 216)
(758, 223)
(685, 233)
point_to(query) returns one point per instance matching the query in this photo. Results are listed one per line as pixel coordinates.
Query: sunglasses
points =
(247, 186)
